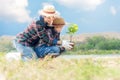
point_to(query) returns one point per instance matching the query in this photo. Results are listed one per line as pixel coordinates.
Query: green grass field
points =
(88, 52)
(61, 69)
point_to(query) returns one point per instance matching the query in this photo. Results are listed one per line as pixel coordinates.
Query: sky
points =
(92, 16)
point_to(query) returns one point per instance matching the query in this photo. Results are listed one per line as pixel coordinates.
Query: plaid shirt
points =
(52, 36)
(36, 35)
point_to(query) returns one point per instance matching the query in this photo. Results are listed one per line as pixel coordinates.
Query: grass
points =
(87, 52)
(61, 69)
(78, 51)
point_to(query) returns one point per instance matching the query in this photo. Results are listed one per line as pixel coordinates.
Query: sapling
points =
(72, 29)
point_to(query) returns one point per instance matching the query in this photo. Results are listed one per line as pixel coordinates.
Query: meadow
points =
(65, 69)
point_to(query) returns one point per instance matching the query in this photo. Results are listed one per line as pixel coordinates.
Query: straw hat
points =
(58, 21)
(49, 10)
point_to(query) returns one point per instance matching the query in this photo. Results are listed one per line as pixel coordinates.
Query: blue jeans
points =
(44, 50)
(27, 52)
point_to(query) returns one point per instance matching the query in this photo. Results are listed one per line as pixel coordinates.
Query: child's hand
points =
(67, 44)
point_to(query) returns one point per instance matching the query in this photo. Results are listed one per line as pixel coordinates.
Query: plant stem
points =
(71, 37)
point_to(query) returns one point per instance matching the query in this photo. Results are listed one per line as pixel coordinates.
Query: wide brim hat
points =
(49, 10)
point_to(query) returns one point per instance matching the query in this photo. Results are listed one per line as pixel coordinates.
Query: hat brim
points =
(65, 24)
(56, 14)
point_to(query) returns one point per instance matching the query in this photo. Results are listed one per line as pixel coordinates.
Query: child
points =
(44, 49)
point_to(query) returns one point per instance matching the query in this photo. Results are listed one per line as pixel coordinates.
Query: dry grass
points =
(60, 69)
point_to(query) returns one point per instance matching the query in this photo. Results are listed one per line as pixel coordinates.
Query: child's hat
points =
(58, 21)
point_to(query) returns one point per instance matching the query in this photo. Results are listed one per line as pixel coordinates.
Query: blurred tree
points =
(6, 44)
